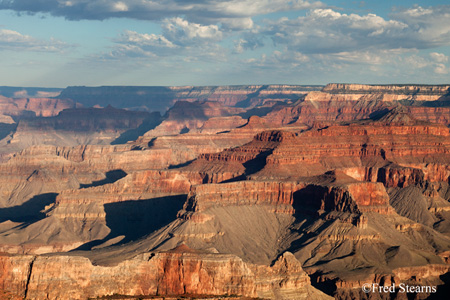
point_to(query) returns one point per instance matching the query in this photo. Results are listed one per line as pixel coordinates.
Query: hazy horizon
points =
(219, 85)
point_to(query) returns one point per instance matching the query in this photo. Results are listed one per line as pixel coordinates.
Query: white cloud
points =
(179, 38)
(439, 57)
(13, 40)
(237, 23)
(149, 40)
(120, 6)
(131, 44)
(427, 27)
(180, 31)
(441, 69)
(328, 31)
(416, 12)
(257, 7)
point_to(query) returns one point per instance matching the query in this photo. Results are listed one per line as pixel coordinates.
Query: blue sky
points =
(57, 43)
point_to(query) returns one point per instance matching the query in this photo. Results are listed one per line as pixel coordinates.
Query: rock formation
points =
(315, 195)
(80, 126)
(177, 272)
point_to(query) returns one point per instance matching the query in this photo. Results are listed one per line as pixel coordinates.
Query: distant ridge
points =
(25, 92)
(407, 89)
(160, 98)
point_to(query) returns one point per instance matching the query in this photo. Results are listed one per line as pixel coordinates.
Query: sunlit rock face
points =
(255, 192)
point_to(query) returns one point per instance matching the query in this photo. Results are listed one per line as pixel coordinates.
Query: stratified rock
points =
(42, 107)
(348, 180)
(181, 272)
(347, 102)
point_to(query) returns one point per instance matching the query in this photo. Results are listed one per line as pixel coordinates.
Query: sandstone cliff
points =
(179, 272)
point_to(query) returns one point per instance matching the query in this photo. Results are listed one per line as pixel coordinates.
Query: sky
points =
(59, 43)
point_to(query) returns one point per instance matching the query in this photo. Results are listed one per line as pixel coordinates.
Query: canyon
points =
(233, 192)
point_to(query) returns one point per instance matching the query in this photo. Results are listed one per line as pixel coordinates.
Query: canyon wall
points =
(178, 272)
(332, 187)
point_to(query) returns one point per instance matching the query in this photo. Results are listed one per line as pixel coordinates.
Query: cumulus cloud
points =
(329, 31)
(439, 57)
(441, 69)
(439, 60)
(13, 40)
(179, 37)
(134, 44)
(131, 44)
(427, 27)
(237, 23)
(193, 10)
(148, 40)
(183, 32)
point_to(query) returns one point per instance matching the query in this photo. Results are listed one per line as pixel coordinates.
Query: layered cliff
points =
(405, 89)
(42, 107)
(80, 126)
(190, 116)
(347, 102)
(179, 272)
(386, 93)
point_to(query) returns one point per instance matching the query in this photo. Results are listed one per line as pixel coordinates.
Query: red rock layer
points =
(321, 108)
(179, 272)
(393, 154)
(314, 112)
(387, 142)
(286, 197)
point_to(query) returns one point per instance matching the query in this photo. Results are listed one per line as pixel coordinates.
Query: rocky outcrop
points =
(136, 186)
(186, 117)
(318, 111)
(273, 194)
(287, 197)
(221, 124)
(82, 159)
(351, 147)
(79, 126)
(180, 272)
(349, 102)
(41, 107)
